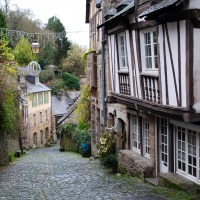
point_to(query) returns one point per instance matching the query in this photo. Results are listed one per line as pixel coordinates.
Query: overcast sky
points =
(70, 12)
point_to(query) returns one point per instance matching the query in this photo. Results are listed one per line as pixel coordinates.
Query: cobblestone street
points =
(46, 173)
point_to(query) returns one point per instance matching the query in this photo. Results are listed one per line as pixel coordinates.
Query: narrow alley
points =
(47, 173)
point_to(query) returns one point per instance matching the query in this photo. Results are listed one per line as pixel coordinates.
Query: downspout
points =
(103, 71)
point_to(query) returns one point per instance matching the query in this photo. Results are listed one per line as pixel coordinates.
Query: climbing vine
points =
(83, 108)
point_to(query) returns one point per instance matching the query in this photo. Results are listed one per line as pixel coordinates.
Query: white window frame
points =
(146, 140)
(144, 45)
(184, 157)
(122, 67)
(135, 133)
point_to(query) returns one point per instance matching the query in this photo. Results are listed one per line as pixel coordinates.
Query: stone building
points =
(36, 107)
(150, 59)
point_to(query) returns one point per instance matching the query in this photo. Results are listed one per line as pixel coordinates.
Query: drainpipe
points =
(103, 71)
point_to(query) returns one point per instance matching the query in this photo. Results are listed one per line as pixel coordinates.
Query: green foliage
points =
(71, 81)
(84, 56)
(74, 63)
(83, 108)
(107, 151)
(106, 144)
(2, 20)
(47, 55)
(79, 136)
(47, 75)
(62, 46)
(11, 157)
(57, 85)
(8, 89)
(23, 53)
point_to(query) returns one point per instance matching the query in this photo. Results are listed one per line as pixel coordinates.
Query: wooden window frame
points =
(122, 67)
(153, 58)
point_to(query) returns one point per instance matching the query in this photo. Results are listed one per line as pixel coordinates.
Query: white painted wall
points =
(196, 70)
(193, 4)
(130, 67)
(136, 71)
(173, 35)
(114, 63)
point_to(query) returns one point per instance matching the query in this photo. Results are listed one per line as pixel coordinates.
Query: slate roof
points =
(159, 6)
(70, 110)
(34, 88)
(59, 107)
(120, 13)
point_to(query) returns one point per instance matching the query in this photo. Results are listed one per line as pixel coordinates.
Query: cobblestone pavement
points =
(48, 174)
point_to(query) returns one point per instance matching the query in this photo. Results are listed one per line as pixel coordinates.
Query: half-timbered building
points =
(154, 56)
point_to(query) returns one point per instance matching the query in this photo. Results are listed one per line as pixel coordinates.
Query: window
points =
(150, 47)
(146, 138)
(188, 154)
(40, 98)
(34, 120)
(34, 100)
(35, 139)
(41, 137)
(135, 132)
(40, 117)
(46, 113)
(122, 52)
(46, 97)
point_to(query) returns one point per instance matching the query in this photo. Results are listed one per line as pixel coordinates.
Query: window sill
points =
(153, 73)
(123, 71)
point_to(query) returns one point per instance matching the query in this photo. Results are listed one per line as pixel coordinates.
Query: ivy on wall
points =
(83, 108)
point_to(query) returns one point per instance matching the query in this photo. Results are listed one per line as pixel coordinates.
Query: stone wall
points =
(135, 164)
(8, 145)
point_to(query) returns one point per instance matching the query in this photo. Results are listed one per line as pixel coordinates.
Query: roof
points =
(123, 12)
(159, 6)
(34, 88)
(59, 107)
(70, 110)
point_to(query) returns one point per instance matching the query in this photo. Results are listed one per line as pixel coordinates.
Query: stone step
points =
(152, 181)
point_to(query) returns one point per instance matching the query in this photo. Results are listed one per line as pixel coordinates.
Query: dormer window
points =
(122, 52)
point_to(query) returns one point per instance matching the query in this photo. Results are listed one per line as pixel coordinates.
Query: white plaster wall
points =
(172, 29)
(162, 69)
(130, 67)
(193, 4)
(183, 62)
(136, 71)
(173, 37)
(196, 70)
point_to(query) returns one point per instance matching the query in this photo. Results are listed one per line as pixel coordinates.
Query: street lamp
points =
(35, 46)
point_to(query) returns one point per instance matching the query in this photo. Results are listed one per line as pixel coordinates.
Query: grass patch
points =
(11, 157)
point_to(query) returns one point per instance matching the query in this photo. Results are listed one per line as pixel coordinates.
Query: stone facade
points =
(41, 125)
(135, 164)
(8, 144)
